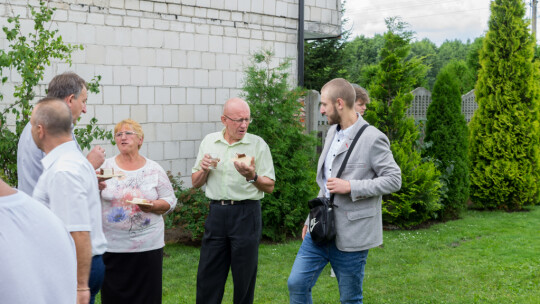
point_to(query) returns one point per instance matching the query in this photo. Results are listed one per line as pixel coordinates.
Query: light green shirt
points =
(224, 182)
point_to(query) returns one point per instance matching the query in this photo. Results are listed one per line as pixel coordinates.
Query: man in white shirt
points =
(37, 259)
(69, 187)
(70, 88)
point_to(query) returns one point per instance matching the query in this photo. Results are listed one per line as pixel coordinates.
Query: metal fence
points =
(315, 121)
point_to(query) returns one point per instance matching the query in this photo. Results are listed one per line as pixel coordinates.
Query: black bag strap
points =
(347, 157)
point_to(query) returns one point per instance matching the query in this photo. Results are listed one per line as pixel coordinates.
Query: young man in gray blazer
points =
(369, 173)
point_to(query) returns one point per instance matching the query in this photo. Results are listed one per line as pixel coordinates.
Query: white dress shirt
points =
(68, 186)
(29, 158)
(338, 141)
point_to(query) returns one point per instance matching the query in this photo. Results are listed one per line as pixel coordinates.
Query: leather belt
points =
(231, 202)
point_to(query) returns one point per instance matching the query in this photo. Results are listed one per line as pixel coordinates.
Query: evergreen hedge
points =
(504, 131)
(446, 135)
(418, 199)
(276, 113)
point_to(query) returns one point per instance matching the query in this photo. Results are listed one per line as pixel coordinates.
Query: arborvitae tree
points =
(463, 75)
(418, 199)
(276, 111)
(504, 131)
(446, 135)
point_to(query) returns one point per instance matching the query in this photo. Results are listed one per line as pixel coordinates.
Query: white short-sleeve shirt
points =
(37, 255)
(69, 187)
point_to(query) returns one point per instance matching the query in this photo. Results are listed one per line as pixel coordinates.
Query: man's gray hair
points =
(65, 84)
(54, 115)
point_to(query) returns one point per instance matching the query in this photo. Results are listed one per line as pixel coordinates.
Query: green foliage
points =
(191, 209)
(446, 129)
(361, 56)
(428, 51)
(323, 60)
(29, 55)
(473, 57)
(276, 113)
(462, 74)
(418, 199)
(397, 74)
(504, 130)
(452, 50)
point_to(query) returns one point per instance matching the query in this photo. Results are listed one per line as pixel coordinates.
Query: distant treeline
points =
(356, 59)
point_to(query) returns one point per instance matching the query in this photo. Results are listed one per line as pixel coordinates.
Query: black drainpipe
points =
(300, 43)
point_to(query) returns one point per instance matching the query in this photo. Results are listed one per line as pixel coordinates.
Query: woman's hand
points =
(158, 207)
(147, 208)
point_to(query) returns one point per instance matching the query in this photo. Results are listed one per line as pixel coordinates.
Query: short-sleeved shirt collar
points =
(55, 153)
(221, 138)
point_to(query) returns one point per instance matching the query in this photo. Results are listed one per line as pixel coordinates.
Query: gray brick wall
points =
(170, 64)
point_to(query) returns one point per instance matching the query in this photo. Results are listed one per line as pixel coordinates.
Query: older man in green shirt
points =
(235, 187)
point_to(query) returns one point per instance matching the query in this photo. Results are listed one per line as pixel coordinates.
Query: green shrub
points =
(462, 75)
(418, 199)
(276, 117)
(504, 130)
(191, 209)
(29, 56)
(446, 130)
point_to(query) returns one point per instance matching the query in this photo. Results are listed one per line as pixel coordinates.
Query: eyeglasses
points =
(241, 120)
(128, 133)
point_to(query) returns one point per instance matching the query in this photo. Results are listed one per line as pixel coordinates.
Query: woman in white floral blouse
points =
(135, 232)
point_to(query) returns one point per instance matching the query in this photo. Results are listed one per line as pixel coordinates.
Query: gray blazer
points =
(372, 172)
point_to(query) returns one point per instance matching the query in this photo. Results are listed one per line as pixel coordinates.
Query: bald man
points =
(69, 187)
(235, 186)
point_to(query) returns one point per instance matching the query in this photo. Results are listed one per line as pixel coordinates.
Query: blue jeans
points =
(97, 272)
(311, 260)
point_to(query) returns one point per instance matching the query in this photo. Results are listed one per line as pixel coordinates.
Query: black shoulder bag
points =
(322, 225)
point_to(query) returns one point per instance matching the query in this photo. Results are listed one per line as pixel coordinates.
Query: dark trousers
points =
(133, 278)
(97, 271)
(231, 240)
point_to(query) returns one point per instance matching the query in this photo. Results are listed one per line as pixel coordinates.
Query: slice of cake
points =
(139, 201)
(106, 171)
(241, 157)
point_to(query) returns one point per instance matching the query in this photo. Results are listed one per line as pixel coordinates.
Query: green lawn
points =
(486, 257)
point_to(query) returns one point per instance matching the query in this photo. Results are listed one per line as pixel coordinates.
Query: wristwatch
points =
(251, 181)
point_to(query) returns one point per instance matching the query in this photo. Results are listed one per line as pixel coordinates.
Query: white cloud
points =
(437, 20)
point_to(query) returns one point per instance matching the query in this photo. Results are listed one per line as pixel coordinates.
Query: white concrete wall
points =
(169, 64)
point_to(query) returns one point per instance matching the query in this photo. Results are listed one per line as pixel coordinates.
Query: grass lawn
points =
(485, 257)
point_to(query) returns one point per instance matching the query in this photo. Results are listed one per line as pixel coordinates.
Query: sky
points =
(437, 20)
